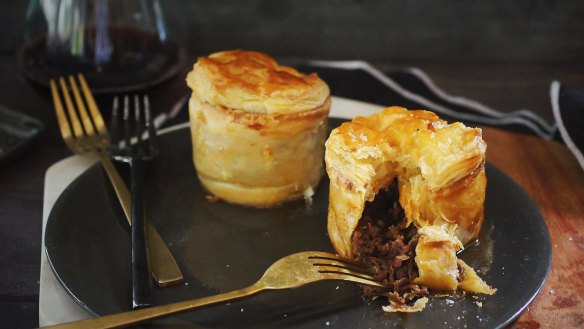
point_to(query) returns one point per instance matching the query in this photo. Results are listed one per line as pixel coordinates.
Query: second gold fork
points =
(85, 133)
(289, 272)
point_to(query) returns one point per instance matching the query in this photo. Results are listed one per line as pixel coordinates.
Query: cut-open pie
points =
(407, 191)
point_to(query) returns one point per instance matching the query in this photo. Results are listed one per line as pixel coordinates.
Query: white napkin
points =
(55, 304)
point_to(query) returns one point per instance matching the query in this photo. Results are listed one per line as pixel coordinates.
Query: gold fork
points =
(85, 133)
(288, 272)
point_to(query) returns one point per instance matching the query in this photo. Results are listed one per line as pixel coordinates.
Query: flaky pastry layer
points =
(439, 167)
(259, 160)
(253, 82)
(441, 179)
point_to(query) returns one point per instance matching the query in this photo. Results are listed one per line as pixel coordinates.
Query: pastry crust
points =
(439, 167)
(441, 179)
(253, 82)
(248, 148)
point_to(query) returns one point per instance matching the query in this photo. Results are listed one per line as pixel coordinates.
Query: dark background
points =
(501, 53)
(376, 30)
(521, 44)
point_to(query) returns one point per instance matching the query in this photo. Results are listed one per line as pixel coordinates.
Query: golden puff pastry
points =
(253, 82)
(257, 128)
(438, 266)
(439, 169)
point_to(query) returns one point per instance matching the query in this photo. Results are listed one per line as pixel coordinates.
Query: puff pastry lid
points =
(254, 82)
(439, 167)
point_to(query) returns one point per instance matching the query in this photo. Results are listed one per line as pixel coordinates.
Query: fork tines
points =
(335, 265)
(76, 122)
(143, 127)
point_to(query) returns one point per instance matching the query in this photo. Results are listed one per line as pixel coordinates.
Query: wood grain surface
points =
(549, 173)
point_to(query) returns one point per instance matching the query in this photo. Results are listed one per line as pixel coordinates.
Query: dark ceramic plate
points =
(221, 247)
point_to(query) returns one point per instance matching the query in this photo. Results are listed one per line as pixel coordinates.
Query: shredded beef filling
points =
(382, 241)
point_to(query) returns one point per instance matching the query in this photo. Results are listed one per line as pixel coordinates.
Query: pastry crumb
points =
(212, 198)
(418, 306)
(308, 193)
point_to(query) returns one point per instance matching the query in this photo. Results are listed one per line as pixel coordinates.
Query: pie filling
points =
(383, 241)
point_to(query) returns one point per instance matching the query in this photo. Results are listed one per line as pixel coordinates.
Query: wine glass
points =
(120, 45)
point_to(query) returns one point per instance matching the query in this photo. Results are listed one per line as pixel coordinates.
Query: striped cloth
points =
(568, 108)
(413, 89)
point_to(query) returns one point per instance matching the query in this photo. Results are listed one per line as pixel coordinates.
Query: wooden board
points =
(549, 173)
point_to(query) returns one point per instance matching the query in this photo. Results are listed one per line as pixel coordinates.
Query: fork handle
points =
(137, 316)
(164, 268)
(142, 295)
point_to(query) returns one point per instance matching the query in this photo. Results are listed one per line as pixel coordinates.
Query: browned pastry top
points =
(254, 82)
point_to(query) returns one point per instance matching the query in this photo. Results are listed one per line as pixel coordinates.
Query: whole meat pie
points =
(258, 128)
